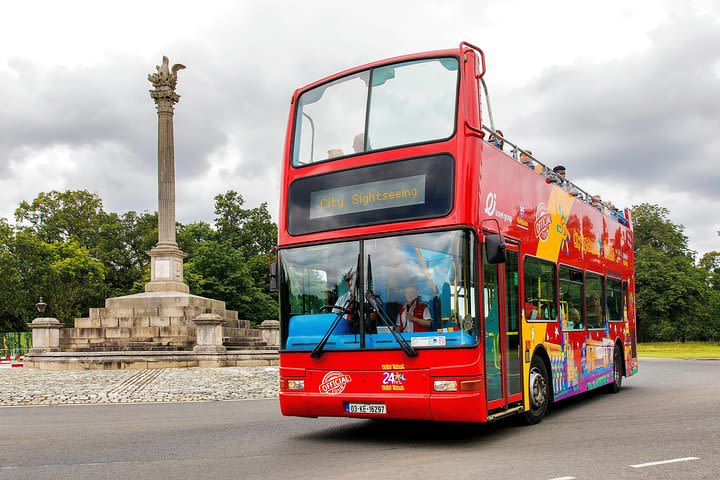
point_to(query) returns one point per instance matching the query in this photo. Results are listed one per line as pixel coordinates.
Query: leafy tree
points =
(671, 290)
(64, 274)
(66, 248)
(217, 270)
(654, 228)
(62, 216)
(250, 229)
(710, 262)
(10, 308)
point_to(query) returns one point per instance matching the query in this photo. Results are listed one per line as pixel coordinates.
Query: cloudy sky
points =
(625, 94)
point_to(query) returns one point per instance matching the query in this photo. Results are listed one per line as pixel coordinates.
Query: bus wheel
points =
(616, 384)
(539, 392)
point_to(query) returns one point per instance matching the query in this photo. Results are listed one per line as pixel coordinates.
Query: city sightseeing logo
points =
(333, 383)
(543, 220)
(490, 203)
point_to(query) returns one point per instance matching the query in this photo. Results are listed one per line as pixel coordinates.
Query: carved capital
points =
(165, 81)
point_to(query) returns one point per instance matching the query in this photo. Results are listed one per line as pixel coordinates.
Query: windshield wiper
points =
(404, 345)
(346, 309)
(349, 308)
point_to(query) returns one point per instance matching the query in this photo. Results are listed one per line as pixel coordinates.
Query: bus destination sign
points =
(399, 192)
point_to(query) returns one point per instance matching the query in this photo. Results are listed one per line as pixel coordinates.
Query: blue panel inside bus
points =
(317, 324)
(306, 331)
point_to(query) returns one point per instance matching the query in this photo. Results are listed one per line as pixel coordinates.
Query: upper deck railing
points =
(561, 181)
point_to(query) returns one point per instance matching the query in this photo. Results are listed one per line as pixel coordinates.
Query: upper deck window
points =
(389, 106)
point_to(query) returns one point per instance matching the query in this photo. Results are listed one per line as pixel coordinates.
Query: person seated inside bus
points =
(593, 311)
(335, 152)
(574, 321)
(344, 301)
(531, 311)
(497, 140)
(415, 315)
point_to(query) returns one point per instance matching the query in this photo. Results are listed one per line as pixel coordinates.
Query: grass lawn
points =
(679, 350)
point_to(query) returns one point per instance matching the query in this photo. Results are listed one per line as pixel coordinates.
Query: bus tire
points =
(616, 384)
(539, 391)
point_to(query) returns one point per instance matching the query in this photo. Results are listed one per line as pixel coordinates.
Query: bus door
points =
(503, 364)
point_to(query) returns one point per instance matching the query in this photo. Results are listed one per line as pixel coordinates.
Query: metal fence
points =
(15, 343)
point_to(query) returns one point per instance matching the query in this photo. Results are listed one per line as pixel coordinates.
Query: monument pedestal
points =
(166, 269)
(155, 321)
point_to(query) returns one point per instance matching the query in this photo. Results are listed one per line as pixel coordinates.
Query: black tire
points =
(618, 371)
(539, 391)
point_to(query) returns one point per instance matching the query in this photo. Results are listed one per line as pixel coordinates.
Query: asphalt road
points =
(668, 411)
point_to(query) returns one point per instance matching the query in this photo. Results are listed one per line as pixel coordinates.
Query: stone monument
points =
(166, 265)
(164, 316)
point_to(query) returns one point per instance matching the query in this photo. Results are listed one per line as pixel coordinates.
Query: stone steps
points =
(152, 321)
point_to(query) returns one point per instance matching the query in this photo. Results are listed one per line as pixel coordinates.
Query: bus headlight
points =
(445, 386)
(296, 384)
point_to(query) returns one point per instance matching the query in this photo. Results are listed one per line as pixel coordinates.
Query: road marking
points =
(563, 478)
(663, 462)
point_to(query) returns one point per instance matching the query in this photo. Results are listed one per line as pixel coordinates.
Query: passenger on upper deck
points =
(559, 179)
(359, 143)
(497, 140)
(526, 160)
(335, 152)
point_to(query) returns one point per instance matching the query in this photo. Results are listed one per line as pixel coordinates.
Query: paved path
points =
(28, 386)
(667, 412)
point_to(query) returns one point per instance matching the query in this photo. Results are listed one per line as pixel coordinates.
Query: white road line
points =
(662, 462)
(563, 478)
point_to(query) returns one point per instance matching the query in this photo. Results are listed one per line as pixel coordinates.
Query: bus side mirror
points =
(495, 249)
(273, 277)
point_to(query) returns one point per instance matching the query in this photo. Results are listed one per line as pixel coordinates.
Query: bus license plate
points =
(373, 408)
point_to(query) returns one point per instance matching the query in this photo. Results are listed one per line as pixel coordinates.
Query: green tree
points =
(671, 290)
(218, 270)
(653, 228)
(251, 229)
(11, 318)
(63, 273)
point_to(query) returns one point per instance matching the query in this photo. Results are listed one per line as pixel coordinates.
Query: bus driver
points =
(415, 315)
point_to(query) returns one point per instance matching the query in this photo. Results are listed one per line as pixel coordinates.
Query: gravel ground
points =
(29, 386)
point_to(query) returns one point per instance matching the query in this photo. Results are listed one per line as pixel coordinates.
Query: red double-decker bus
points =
(429, 268)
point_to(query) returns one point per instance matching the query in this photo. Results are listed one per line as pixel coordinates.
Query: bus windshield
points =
(389, 106)
(422, 288)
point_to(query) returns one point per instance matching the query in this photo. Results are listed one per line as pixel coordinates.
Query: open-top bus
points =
(425, 273)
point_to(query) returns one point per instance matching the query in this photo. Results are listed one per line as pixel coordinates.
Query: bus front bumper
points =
(443, 407)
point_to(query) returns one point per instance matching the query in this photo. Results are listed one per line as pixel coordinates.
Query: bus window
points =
(424, 283)
(493, 346)
(614, 300)
(571, 298)
(412, 102)
(314, 277)
(329, 118)
(593, 303)
(409, 103)
(539, 289)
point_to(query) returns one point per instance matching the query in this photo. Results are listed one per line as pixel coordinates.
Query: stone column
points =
(208, 327)
(45, 335)
(166, 264)
(270, 330)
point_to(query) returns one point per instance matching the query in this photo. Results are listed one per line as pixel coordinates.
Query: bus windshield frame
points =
(438, 269)
(360, 112)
